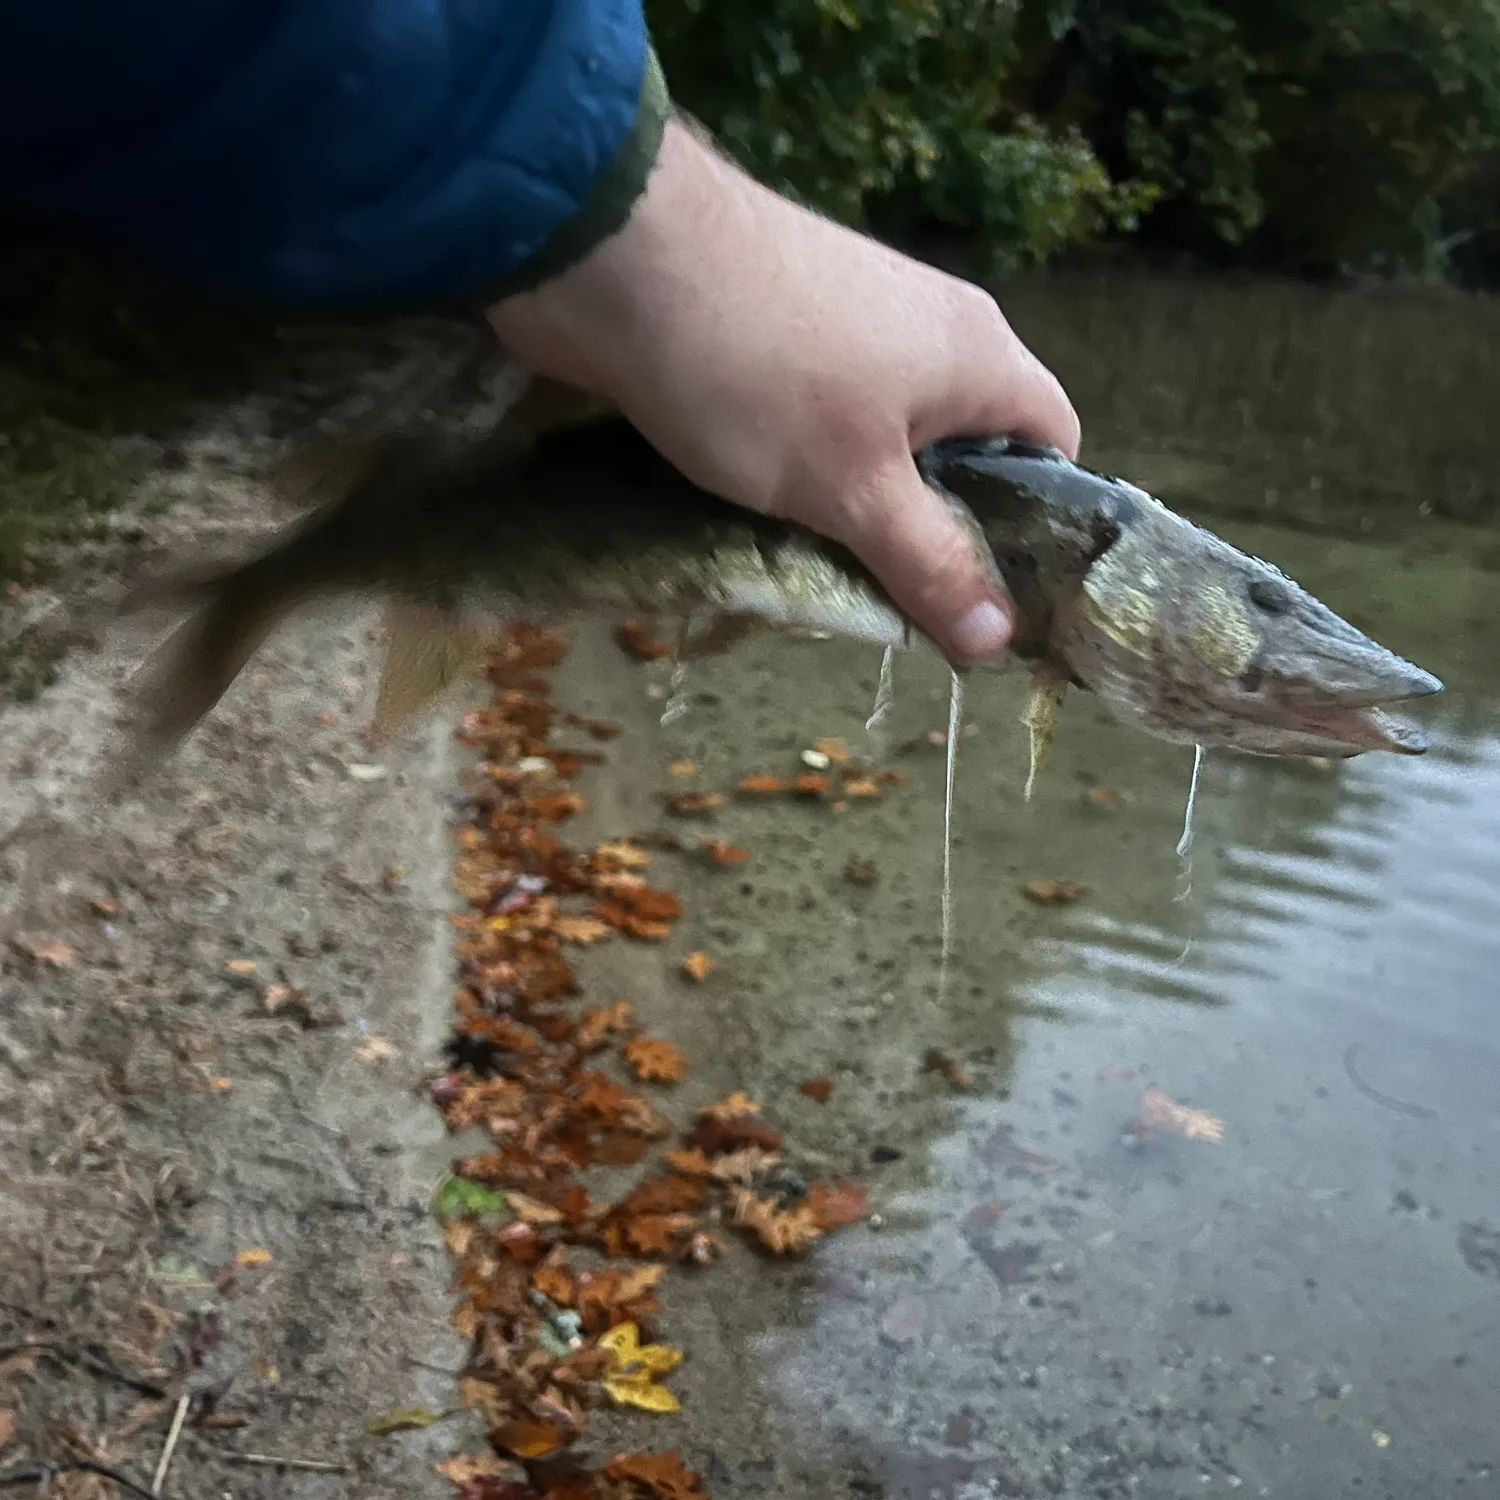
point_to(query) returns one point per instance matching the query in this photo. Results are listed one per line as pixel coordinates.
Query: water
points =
(1309, 1307)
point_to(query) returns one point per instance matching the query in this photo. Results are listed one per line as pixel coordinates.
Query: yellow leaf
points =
(253, 1259)
(641, 1392)
(241, 966)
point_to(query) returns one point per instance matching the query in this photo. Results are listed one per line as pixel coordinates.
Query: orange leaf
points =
(785, 1231)
(762, 786)
(48, 952)
(690, 1162)
(583, 930)
(555, 806)
(637, 640)
(738, 1106)
(655, 1060)
(836, 750)
(664, 1474)
(835, 1207)
(555, 1281)
(812, 784)
(1053, 892)
(528, 1439)
(695, 804)
(106, 906)
(666, 1195)
(818, 1089)
(862, 786)
(698, 966)
(683, 768)
(597, 1024)
(657, 1234)
(723, 853)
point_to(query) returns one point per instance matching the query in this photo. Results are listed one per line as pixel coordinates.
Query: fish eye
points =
(1269, 598)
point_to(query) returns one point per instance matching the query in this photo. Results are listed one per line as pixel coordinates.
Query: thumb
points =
(932, 564)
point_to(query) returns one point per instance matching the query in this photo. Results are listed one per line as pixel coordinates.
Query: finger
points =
(931, 564)
(999, 387)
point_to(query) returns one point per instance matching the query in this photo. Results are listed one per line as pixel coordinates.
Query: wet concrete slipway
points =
(1045, 1304)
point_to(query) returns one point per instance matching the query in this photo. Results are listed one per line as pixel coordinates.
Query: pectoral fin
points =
(1040, 718)
(427, 649)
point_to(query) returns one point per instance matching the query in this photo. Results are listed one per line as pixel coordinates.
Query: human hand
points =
(789, 364)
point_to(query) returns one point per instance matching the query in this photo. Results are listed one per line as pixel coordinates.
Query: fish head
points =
(1188, 638)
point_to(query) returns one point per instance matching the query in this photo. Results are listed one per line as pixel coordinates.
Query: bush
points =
(1295, 131)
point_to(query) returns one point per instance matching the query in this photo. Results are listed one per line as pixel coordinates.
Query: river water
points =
(1056, 1303)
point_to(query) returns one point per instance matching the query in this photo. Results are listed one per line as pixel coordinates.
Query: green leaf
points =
(459, 1196)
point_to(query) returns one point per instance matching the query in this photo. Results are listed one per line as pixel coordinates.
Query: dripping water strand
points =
(884, 694)
(677, 697)
(1185, 848)
(955, 723)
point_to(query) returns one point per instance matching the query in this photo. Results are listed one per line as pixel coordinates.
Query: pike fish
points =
(566, 509)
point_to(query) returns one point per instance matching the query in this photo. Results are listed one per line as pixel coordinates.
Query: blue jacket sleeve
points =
(323, 155)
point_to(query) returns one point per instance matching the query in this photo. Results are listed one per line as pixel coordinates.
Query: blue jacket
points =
(330, 154)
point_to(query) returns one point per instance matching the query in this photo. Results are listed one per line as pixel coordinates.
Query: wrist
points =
(588, 325)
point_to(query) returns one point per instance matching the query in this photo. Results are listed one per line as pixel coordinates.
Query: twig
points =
(276, 1461)
(44, 1476)
(1418, 1111)
(178, 1418)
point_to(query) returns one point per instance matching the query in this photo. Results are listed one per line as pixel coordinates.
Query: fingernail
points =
(985, 631)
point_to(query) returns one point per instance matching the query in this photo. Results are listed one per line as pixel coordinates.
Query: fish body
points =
(566, 509)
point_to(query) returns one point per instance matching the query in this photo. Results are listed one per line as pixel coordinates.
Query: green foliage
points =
(891, 109)
(1332, 131)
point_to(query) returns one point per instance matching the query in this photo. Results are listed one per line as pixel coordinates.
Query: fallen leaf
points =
(254, 1258)
(664, 1474)
(811, 785)
(784, 1231)
(1105, 796)
(656, 1061)
(627, 855)
(244, 967)
(762, 786)
(528, 1439)
(684, 768)
(220, 1085)
(1159, 1112)
(582, 930)
(106, 906)
(723, 853)
(938, 1061)
(742, 1165)
(555, 806)
(691, 1162)
(47, 952)
(695, 804)
(818, 1089)
(375, 1049)
(862, 786)
(836, 750)
(468, 1469)
(638, 641)
(533, 1210)
(461, 1195)
(403, 1419)
(9, 1422)
(836, 1207)
(1053, 892)
(598, 1024)
(698, 966)
(737, 1106)
(635, 1369)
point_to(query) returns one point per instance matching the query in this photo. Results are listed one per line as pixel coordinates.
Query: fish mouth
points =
(1356, 730)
